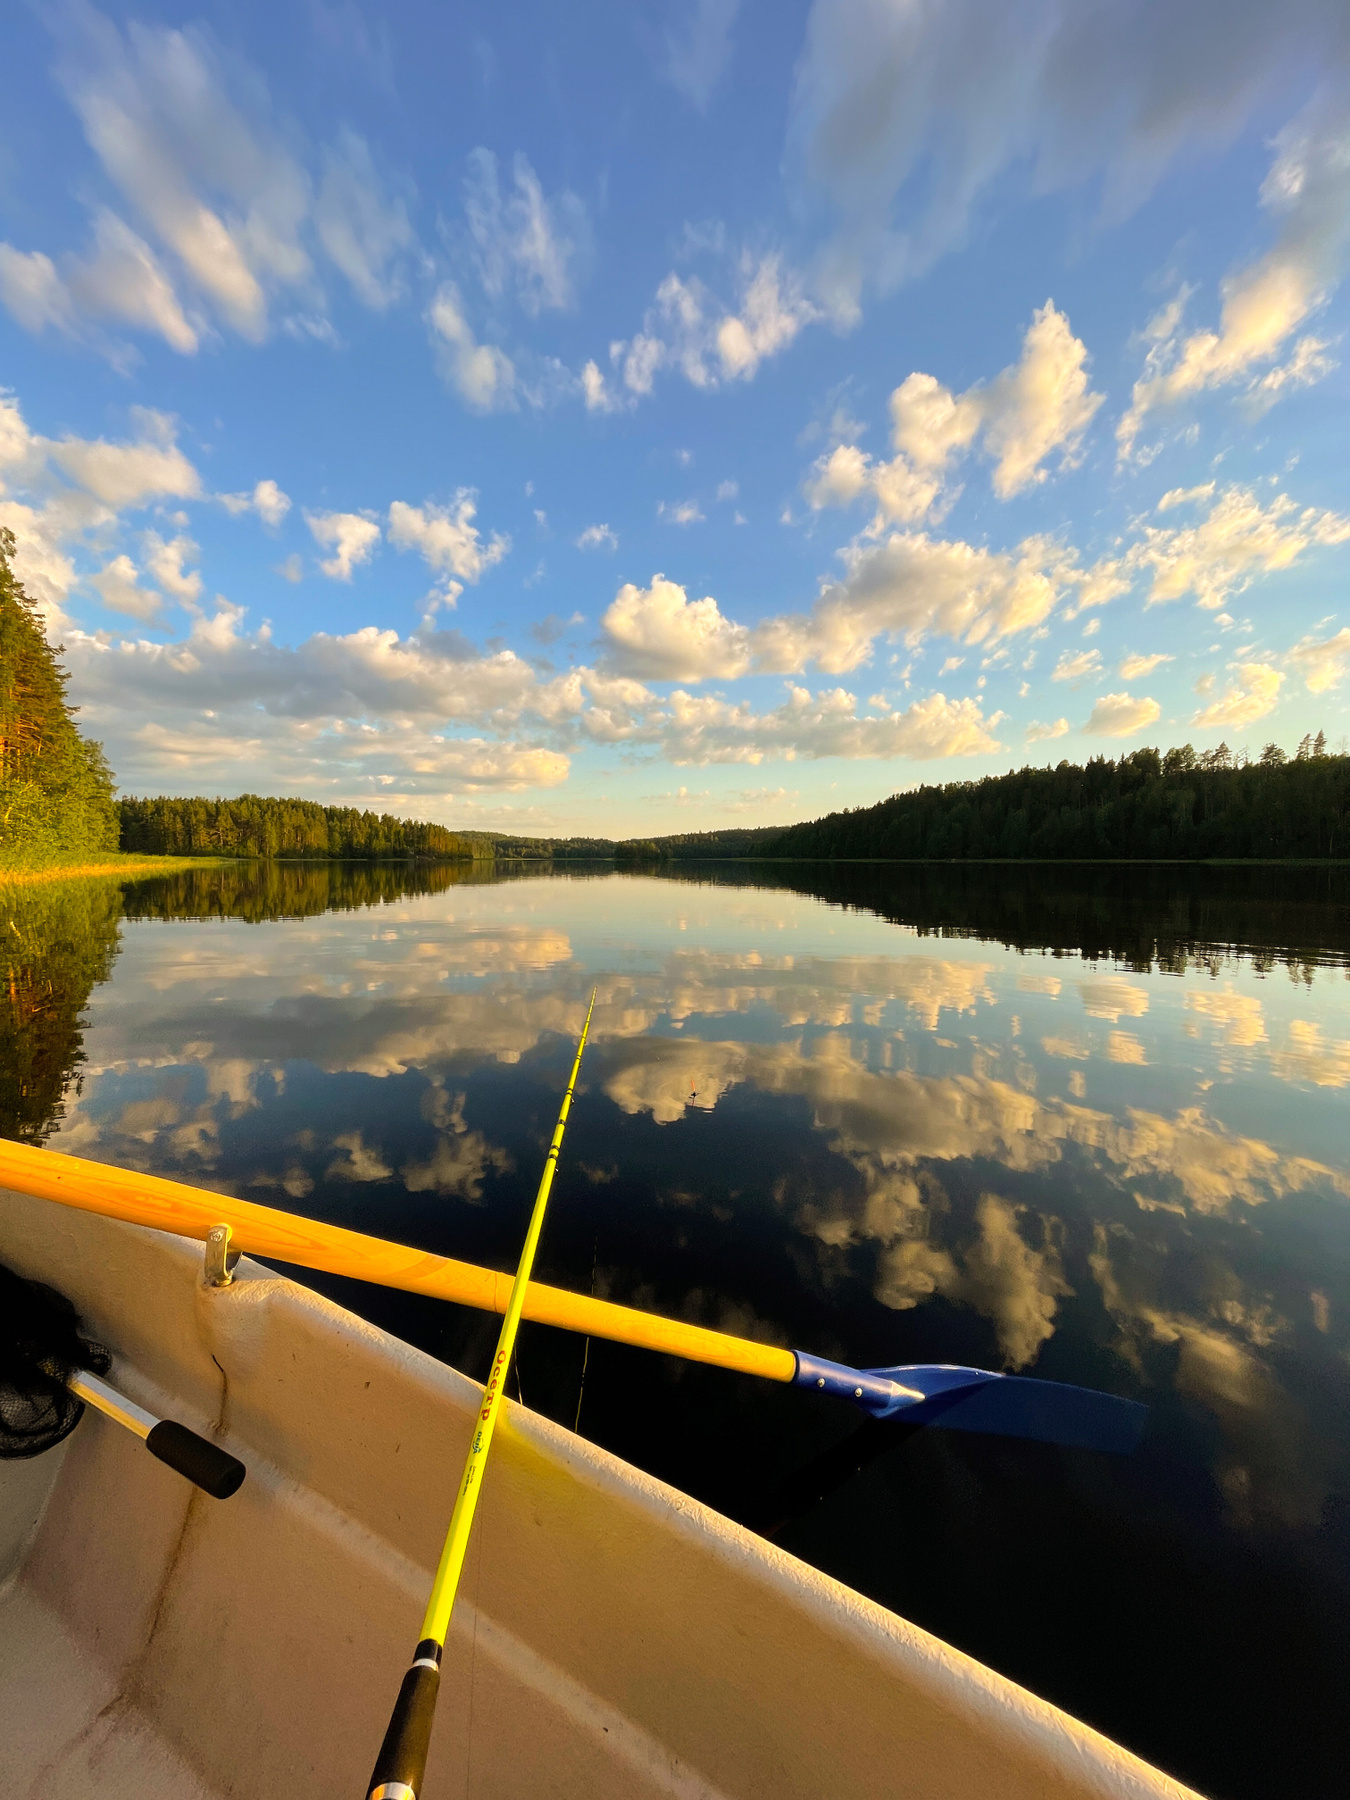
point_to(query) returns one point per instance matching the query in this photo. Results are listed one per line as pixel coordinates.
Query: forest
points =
(1175, 806)
(253, 825)
(56, 790)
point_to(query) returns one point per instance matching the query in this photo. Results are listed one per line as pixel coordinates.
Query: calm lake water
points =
(1088, 1123)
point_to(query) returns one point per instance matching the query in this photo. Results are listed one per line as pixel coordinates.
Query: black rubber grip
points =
(403, 1754)
(206, 1465)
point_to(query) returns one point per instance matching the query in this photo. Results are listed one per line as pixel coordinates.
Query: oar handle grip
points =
(204, 1464)
(402, 1763)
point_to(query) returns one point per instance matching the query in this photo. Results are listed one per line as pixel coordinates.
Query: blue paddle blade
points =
(959, 1399)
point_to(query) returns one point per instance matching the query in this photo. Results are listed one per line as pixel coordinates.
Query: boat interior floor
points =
(67, 1730)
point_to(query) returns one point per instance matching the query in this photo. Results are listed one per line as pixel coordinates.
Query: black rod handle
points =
(205, 1464)
(402, 1763)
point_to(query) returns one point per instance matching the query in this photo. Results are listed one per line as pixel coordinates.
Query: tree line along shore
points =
(58, 805)
(1145, 806)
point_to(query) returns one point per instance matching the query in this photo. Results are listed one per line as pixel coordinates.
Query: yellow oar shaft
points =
(441, 1603)
(265, 1231)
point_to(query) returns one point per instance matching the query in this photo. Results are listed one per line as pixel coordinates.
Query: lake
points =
(1088, 1123)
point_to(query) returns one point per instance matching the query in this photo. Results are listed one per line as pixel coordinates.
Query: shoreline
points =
(110, 863)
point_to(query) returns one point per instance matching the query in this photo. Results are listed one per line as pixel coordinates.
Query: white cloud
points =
(350, 536)
(1324, 661)
(1244, 701)
(595, 390)
(524, 242)
(1308, 363)
(1077, 665)
(910, 585)
(1037, 733)
(165, 562)
(1308, 187)
(903, 494)
(366, 714)
(130, 474)
(772, 312)
(705, 729)
(639, 360)
(447, 537)
(682, 512)
(1175, 497)
(234, 203)
(658, 632)
(907, 120)
(1236, 541)
(1134, 668)
(1039, 405)
(61, 495)
(363, 230)
(481, 374)
(117, 587)
(728, 490)
(906, 587)
(686, 329)
(597, 537)
(32, 291)
(267, 500)
(120, 279)
(124, 280)
(840, 476)
(1121, 715)
(698, 48)
(155, 110)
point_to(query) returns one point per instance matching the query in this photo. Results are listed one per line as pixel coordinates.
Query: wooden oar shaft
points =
(264, 1231)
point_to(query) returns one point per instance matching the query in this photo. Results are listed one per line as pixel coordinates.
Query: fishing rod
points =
(957, 1399)
(401, 1764)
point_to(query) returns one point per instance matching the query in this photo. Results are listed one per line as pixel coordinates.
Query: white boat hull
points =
(613, 1636)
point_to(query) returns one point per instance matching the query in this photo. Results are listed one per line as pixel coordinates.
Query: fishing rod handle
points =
(402, 1763)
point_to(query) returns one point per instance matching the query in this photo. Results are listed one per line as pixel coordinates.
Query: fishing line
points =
(586, 1348)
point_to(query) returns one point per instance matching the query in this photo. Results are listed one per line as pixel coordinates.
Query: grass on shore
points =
(119, 863)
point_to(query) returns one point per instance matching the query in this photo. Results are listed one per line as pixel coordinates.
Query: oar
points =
(959, 1399)
(402, 1761)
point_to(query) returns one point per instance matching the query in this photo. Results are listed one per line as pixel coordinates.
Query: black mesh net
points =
(40, 1347)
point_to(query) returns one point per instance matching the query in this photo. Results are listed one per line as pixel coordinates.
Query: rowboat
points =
(612, 1635)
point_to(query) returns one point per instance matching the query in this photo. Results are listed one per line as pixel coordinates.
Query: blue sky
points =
(646, 419)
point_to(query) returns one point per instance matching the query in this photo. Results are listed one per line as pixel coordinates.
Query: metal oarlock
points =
(219, 1259)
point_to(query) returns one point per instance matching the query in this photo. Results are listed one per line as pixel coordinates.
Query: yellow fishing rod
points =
(401, 1764)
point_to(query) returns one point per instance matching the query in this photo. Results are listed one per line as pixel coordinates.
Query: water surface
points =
(1089, 1124)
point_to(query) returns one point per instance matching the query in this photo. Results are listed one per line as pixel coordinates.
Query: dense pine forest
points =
(256, 826)
(56, 791)
(1180, 805)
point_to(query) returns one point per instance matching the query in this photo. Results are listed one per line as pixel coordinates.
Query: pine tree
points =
(56, 790)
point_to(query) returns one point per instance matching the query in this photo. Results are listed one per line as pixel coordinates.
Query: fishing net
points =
(41, 1345)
